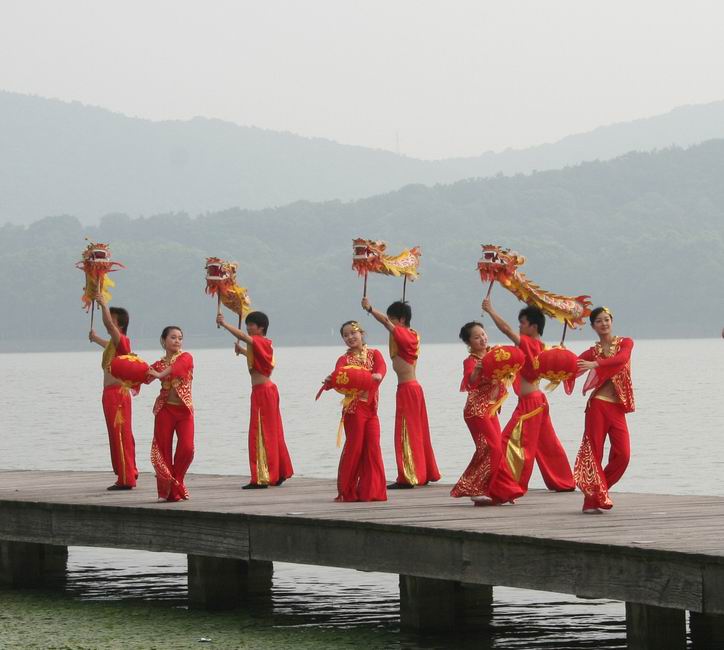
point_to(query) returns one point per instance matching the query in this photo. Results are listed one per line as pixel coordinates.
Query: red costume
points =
(118, 414)
(528, 437)
(174, 410)
(268, 455)
(605, 417)
(481, 415)
(361, 473)
(416, 463)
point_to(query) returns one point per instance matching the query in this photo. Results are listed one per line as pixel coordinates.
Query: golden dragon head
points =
(497, 262)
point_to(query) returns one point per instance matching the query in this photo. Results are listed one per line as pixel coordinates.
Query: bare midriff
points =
(607, 392)
(173, 397)
(404, 371)
(109, 379)
(528, 387)
(257, 379)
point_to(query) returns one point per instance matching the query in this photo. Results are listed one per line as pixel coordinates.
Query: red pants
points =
(529, 436)
(476, 479)
(170, 473)
(361, 474)
(117, 409)
(268, 455)
(602, 418)
(416, 463)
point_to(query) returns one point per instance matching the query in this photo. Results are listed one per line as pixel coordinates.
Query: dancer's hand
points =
(487, 306)
(376, 376)
(366, 305)
(220, 319)
(587, 365)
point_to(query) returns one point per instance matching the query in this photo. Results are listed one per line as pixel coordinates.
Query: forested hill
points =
(643, 234)
(67, 158)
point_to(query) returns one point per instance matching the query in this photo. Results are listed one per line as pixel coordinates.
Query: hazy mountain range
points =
(67, 158)
(642, 233)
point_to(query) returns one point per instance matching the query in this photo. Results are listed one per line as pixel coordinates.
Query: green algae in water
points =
(43, 621)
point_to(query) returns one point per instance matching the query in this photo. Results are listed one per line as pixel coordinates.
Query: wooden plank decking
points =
(658, 550)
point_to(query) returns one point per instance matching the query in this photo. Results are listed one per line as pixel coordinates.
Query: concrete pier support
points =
(432, 605)
(28, 564)
(707, 631)
(225, 583)
(655, 628)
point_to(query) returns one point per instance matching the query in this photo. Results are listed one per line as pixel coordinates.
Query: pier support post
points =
(649, 627)
(429, 604)
(224, 583)
(707, 631)
(27, 564)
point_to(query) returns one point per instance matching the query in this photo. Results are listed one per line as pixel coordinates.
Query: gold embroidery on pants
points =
(515, 451)
(262, 467)
(408, 460)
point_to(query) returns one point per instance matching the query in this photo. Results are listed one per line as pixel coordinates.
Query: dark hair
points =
(167, 330)
(350, 322)
(121, 318)
(597, 312)
(258, 318)
(400, 310)
(534, 316)
(466, 329)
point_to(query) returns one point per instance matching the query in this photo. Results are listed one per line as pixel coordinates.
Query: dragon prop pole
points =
(404, 286)
(501, 265)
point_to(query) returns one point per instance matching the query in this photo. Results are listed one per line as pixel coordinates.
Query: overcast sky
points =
(450, 78)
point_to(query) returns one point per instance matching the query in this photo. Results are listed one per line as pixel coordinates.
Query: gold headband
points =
(607, 310)
(354, 325)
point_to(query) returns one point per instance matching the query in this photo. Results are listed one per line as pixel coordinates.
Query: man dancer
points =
(116, 396)
(416, 463)
(269, 459)
(529, 435)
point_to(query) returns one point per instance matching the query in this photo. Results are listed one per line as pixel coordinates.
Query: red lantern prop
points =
(558, 364)
(502, 363)
(130, 369)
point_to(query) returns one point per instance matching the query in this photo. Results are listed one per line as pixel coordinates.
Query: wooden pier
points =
(662, 555)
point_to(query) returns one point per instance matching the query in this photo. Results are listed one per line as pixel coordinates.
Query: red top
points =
(260, 355)
(616, 366)
(180, 378)
(483, 394)
(111, 351)
(373, 361)
(405, 343)
(531, 348)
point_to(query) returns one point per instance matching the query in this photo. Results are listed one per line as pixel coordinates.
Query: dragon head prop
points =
(96, 263)
(221, 281)
(368, 256)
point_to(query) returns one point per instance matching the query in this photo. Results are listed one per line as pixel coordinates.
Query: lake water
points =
(52, 419)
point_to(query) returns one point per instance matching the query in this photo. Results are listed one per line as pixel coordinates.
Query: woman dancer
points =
(609, 362)
(361, 474)
(174, 411)
(480, 413)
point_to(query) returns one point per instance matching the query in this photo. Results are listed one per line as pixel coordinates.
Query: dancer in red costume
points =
(416, 463)
(361, 473)
(481, 415)
(117, 396)
(269, 459)
(529, 435)
(174, 411)
(609, 363)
